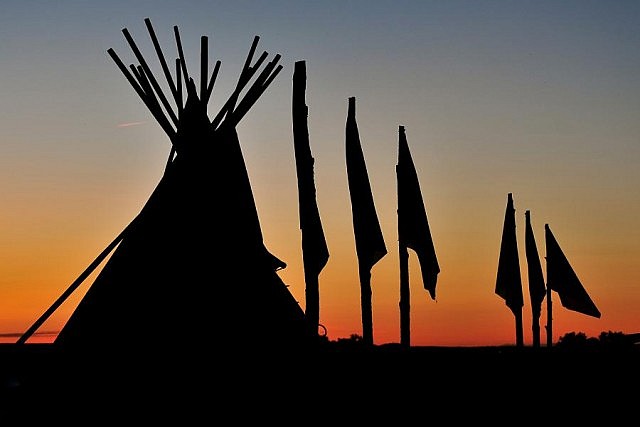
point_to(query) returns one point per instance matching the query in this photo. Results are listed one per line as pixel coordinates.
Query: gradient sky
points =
(540, 99)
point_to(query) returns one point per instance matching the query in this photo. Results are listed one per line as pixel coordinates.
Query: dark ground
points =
(453, 382)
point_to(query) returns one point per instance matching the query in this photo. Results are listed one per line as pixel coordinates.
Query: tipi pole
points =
(62, 298)
(183, 62)
(204, 66)
(151, 77)
(212, 80)
(165, 67)
(158, 114)
(257, 89)
(245, 76)
(83, 276)
(179, 98)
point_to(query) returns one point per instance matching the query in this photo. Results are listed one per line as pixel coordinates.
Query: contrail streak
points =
(126, 125)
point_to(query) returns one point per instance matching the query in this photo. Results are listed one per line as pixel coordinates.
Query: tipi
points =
(192, 267)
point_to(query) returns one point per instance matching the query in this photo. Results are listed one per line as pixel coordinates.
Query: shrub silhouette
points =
(608, 340)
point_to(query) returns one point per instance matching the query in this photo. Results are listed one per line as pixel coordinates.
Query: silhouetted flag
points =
(508, 281)
(314, 245)
(370, 246)
(562, 279)
(537, 288)
(413, 226)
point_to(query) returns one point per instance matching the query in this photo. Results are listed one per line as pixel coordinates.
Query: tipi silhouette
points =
(192, 267)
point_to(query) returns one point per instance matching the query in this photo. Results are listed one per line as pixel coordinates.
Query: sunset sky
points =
(540, 99)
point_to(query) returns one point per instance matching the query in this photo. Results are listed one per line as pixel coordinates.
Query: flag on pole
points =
(413, 226)
(562, 278)
(537, 288)
(370, 246)
(314, 245)
(508, 281)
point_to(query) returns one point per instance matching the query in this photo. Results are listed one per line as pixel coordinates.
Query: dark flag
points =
(314, 245)
(413, 226)
(370, 246)
(562, 279)
(537, 288)
(508, 281)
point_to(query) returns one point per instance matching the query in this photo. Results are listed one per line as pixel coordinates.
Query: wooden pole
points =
(141, 76)
(163, 63)
(204, 66)
(245, 76)
(179, 83)
(150, 76)
(306, 195)
(158, 114)
(549, 320)
(62, 298)
(212, 80)
(83, 276)
(183, 62)
(535, 330)
(519, 329)
(257, 89)
(365, 304)
(405, 306)
(312, 301)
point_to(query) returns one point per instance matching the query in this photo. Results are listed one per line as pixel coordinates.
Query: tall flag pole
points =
(537, 289)
(508, 280)
(414, 233)
(370, 246)
(315, 253)
(562, 278)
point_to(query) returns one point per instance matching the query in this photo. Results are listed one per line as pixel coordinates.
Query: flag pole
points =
(562, 278)
(405, 310)
(509, 281)
(370, 246)
(549, 325)
(414, 233)
(549, 318)
(519, 329)
(315, 253)
(365, 303)
(537, 288)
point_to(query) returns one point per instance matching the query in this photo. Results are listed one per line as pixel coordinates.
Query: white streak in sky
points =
(126, 125)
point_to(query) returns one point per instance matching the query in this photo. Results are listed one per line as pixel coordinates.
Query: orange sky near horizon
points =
(466, 312)
(537, 99)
